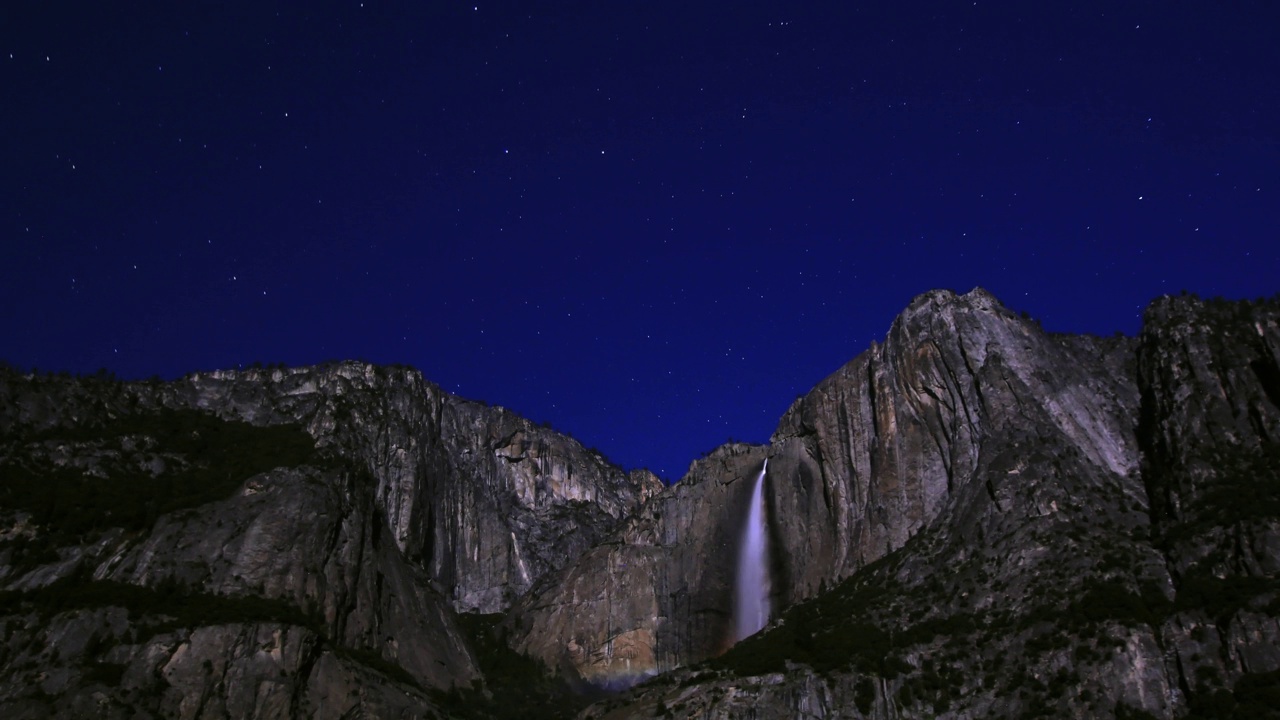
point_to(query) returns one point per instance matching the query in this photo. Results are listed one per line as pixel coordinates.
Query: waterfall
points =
(751, 599)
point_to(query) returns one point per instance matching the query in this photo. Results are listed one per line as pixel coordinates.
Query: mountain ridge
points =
(969, 482)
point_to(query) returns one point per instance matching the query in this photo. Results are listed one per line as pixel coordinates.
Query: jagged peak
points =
(933, 309)
(946, 301)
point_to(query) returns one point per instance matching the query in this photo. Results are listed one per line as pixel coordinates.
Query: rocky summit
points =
(973, 518)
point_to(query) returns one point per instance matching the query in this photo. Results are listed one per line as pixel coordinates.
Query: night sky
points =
(652, 224)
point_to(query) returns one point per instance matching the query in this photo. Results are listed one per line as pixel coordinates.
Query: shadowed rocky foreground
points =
(973, 518)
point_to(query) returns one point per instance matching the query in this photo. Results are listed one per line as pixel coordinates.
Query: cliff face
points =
(1030, 525)
(973, 517)
(485, 499)
(857, 466)
(1210, 376)
(400, 506)
(656, 595)
(892, 437)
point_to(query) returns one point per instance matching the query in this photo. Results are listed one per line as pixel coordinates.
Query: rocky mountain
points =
(273, 542)
(972, 518)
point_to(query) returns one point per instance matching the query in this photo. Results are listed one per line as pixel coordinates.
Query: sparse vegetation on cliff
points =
(138, 466)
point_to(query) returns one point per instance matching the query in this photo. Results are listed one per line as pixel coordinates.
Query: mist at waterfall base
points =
(753, 585)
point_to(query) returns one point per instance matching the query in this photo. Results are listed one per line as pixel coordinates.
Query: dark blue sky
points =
(651, 224)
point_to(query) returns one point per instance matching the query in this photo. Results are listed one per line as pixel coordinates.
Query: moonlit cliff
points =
(971, 518)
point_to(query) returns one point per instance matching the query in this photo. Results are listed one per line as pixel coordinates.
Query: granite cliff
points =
(263, 543)
(974, 517)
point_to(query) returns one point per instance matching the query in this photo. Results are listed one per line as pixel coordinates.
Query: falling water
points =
(752, 599)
